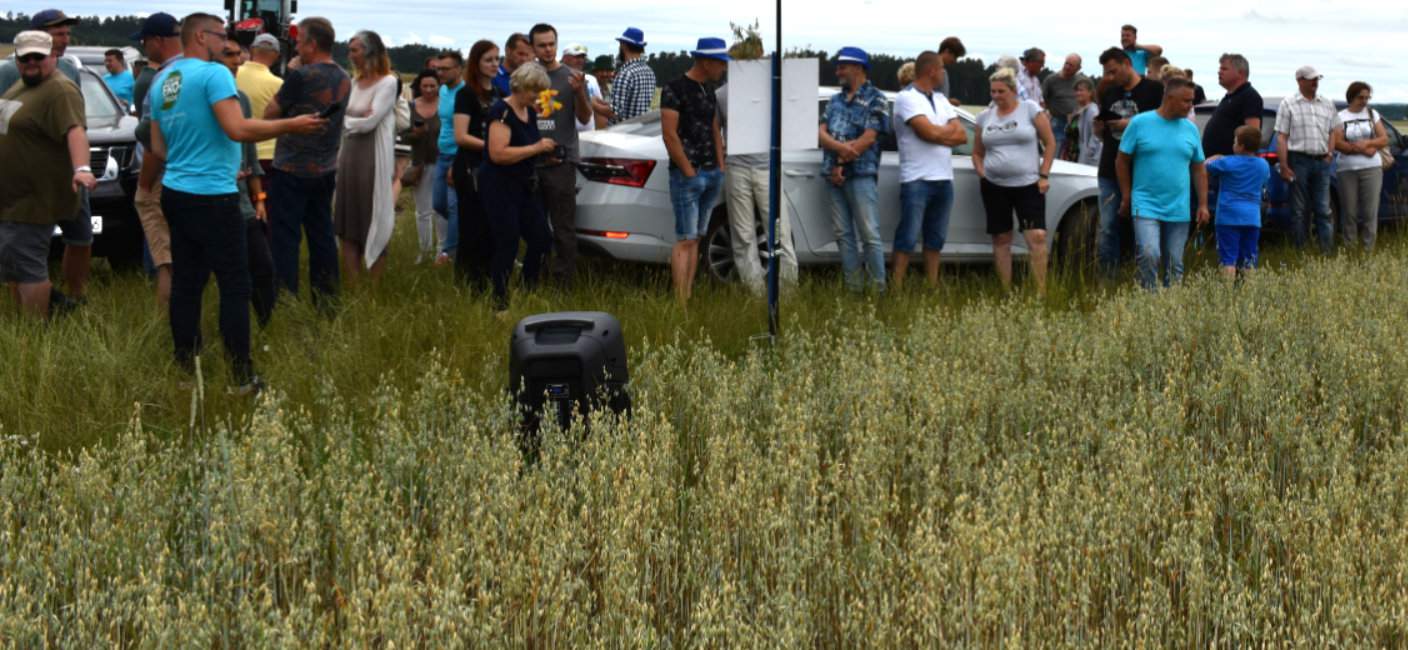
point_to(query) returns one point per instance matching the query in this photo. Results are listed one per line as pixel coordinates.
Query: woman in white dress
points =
(364, 209)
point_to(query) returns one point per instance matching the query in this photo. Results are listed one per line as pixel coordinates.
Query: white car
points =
(623, 202)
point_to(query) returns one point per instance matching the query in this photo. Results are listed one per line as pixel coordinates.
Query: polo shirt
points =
(258, 83)
(1232, 112)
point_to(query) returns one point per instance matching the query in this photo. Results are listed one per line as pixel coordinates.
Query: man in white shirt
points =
(1028, 81)
(927, 128)
(1303, 125)
(575, 57)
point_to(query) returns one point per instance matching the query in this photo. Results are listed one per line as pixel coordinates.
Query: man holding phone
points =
(305, 166)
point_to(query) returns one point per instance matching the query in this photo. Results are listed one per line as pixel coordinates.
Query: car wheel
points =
(717, 248)
(1076, 245)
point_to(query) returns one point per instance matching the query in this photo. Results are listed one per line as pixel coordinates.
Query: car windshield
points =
(96, 100)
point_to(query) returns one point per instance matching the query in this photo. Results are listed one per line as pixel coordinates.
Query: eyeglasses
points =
(32, 58)
(220, 35)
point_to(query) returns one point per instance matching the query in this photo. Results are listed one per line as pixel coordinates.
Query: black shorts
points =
(999, 202)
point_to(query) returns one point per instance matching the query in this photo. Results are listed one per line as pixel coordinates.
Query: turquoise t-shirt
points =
(200, 158)
(1162, 151)
(1239, 189)
(446, 143)
(121, 84)
(1138, 59)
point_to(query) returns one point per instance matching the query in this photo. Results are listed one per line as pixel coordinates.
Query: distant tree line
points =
(967, 78)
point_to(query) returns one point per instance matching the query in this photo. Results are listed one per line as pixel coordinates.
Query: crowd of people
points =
(240, 166)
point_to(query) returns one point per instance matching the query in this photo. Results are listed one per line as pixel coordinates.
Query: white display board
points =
(750, 105)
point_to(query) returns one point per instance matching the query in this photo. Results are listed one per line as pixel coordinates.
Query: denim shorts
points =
(923, 205)
(693, 200)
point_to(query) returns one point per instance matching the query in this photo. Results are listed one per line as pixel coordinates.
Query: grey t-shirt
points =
(748, 160)
(1010, 145)
(1060, 94)
(561, 125)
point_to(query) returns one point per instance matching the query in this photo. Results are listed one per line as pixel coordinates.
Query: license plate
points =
(97, 225)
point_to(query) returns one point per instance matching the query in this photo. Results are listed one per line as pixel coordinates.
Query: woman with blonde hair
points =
(1014, 173)
(364, 209)
(506, 185)
(905, 75)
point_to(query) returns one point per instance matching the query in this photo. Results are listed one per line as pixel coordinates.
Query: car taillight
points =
(631, 172)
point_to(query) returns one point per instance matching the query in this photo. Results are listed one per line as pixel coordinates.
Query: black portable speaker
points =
(566, 363)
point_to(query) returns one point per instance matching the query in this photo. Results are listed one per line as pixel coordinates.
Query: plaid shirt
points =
(848, 120)
(632, 90)
(1307, 123)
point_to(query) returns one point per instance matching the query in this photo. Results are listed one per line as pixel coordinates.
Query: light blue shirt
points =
(446, 143)
(1162, 150)
(200, 158)
(121, 84)
(1138, 59)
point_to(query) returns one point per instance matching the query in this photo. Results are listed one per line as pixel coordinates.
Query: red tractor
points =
(250, 18)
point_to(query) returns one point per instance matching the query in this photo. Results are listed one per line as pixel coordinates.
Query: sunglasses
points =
(32, 58)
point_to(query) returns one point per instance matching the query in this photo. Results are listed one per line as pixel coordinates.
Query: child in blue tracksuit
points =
(1242, 177)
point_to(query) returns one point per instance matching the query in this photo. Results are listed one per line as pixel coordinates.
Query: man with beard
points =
(634, 85)
(44, 160)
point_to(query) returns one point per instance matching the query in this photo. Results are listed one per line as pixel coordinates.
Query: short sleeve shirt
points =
(696, 104)
(1118, 104)
(1240, 180)
(200, 158)
(521, 134)
(311, 89)
(1358, 126)
(34, 160)
(446, 141)
(848, 119)
(1307, 123)
(560, 123)
(1162, 150)
(467, 103)
(120, 84)
(1232, 112)
(1138, 59)
(921, 160)
(1011, 158)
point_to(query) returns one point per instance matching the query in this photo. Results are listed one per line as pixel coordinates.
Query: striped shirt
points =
(1307, 123)
(632, 91)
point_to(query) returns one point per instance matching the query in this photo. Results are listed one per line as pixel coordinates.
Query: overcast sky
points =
(1346, 40)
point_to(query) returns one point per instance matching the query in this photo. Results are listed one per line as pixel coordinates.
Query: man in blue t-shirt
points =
(1139, 53)
(196, 121)
(1158, 151)
(448, 68)
(1243, 177)
(119, 78)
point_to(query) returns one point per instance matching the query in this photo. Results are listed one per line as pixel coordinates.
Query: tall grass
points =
(1211, 465)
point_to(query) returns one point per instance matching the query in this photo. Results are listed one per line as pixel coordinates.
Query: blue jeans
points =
(924, 208)
(303, 205)
(1058, 129)
(1107, 243)
(1311, 190)
(693, 199)
(1160, 249)
(855, 217)
(446, 202)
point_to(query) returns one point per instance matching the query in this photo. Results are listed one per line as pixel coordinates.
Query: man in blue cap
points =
(78, 231)
(160, 40)
(850, 133)
(634, 85)
(689, 125)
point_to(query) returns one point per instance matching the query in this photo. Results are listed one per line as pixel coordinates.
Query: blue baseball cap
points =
(632, 36)
(853, 55)
(51, 18)
(711, 48)
(158, 24)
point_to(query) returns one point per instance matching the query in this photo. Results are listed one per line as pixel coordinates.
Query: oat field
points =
(1213, 465)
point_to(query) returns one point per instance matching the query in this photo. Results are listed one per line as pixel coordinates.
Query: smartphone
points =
(330, 111)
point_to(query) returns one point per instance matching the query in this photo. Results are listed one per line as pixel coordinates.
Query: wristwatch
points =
(82, 168)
